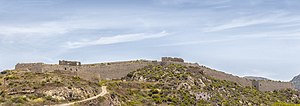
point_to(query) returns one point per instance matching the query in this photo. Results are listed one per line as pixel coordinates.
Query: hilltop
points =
(296, 82)
(168, 82)
(117, 70)
(29, 88)
(180, 85)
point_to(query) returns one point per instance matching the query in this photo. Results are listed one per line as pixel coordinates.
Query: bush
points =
(77, 78)
(10, 77)
(103, 82)
(20, 99)
(129, 75)
(49, 98)
(38, 100)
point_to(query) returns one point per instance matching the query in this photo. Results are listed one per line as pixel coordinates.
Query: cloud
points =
(252, 20)
(84, 21)
(198, 2)
(115, 39)
(194, 42)
(172, 2)
(15, 31)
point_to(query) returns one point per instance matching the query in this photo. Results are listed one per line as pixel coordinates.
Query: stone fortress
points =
(117, 70)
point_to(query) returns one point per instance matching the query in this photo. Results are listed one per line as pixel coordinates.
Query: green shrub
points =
(77, 78)
(49, 98)
(9, 77)
(102, 82)
(20, 99)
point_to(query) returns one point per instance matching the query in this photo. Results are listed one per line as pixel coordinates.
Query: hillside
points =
(173, 84)
(296, 82)
(28, 88)
(186, 86)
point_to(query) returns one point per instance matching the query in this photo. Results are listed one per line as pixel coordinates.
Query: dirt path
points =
(104, 91)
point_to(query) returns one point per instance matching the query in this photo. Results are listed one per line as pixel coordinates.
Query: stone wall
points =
(92, 72)
(224, 76)
(262, 85)
(171, 59)
(34, 67)
(181, 63)
(116, 70)
(70, 63)
(53, 67)
(267, 85)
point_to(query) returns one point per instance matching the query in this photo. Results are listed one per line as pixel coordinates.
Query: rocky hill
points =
(28, 88)
(296, 82)
(186, 86)
(169, 84)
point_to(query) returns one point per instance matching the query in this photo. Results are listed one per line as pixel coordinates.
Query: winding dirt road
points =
(104, 91)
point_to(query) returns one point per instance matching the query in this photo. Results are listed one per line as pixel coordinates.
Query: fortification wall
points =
(53, 67)
(181, 63)
(262, 85)
(224, 76)
(171, 59)
(116, 70)
(34, 67)
(265, 85)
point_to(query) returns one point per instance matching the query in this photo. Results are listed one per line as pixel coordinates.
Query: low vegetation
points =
(173, 85)
(28, 88)
(178, 85)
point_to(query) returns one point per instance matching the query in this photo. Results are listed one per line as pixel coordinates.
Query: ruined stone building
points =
(70, 63)
(171, 59)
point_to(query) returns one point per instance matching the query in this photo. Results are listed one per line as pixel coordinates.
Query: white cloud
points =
(171, 2)
(14, 31)
(275, 18)
(179, 2)
(74, 23)
(194, 42)
(115, 39)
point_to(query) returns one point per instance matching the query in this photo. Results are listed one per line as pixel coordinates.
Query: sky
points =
(240, 37)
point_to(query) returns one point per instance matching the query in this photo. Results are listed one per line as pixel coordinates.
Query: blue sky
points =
(241, 37)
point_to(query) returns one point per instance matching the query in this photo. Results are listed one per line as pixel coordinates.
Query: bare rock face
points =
(65, 93)
(296, 82)
(114, 101)
(200, 83)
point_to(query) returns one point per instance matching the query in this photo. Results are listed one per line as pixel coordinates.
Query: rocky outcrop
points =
(296, 82)
(65, 93)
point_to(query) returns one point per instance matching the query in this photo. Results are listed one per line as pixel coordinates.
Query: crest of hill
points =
(176, 84)
(117, 70)
(296, 82)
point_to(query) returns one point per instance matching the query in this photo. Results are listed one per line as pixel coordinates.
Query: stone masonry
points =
(117, 70)
(171, 59)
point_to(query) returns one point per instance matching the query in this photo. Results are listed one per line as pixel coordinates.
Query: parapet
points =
(171, 59)
(70, 63)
